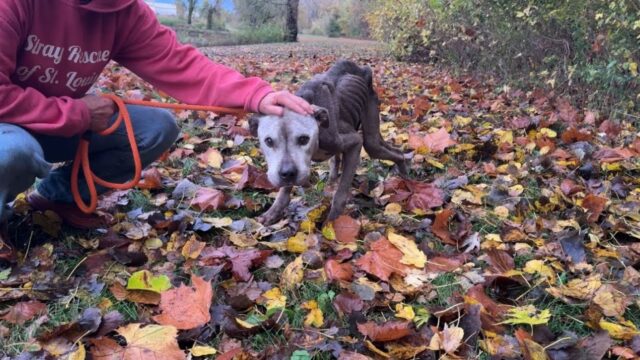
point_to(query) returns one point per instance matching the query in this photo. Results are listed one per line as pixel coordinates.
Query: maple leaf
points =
(438, 141)
(527, 315)
(149, 342)
(24, 311)
(389, 331)
(382, 260)
(186, 307)
(448, 340)
(338, 271)
(207, 199)
(152, 179)
(241, 259)
(416, 196)
(411, 255)
(346, 229)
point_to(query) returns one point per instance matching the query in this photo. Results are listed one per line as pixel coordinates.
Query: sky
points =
(226, 4)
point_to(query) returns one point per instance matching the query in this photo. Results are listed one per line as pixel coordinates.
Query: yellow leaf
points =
(460, 121)
(527, 315)
(242, 240)
(218, 222)
(297, 244)
(501, 211)
(626, 330)
(392, 209)
(315, 317)
(582, 289)
(516, 190)
(192, 248)
(328, 232)
(612, 301)
(405, 312)
(411, 255)
(293, 274)
(214, 158)
(633, 68)
(275, 299)
(540, 268)
(79, 354)
(199, 350)
(548, 133)
(245, 324)
(435, 163)
(374, 349)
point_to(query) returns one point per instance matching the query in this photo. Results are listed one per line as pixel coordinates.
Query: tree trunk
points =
(291, 31)
(210, 12)
(190, 9)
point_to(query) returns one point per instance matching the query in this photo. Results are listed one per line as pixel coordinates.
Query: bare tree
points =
(291, 30)
(190, 5)
(213, 11)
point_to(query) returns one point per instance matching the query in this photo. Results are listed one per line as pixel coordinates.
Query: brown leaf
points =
(149, 342)
(445, 263)
(500, 261)
(207, 199)
(389, 331)
(24, 311)
(137, 296)
(241, 259)
(414, 195)
(595, 205)
(382, 260)
(441, 226)
(346, 229)
(152, 179)
(530, 349)
(347, 303)
(338, 271)
(186, 307)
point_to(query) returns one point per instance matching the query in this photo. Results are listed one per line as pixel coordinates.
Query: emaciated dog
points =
(346, 118)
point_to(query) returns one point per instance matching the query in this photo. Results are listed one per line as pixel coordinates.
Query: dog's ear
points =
(254, 121)
(322, 116)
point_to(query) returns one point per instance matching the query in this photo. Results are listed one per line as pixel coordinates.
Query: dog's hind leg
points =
(350, 162)
(275, 211)
(374, 144)
(334, 168)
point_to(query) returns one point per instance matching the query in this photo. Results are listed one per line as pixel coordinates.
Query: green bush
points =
(263, 34)
(588, 48)
(334, 29)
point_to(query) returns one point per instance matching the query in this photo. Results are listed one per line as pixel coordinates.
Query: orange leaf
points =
(441, 226)
(382, 260)
(595, 205)
(346, 229)
(152, 180)
(338, 271)
(439, 140)
(186, 307)
(389, 331)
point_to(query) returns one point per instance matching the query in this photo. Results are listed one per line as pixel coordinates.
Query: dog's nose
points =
(288, 174)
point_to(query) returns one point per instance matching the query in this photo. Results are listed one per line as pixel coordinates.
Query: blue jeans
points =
(110, 156)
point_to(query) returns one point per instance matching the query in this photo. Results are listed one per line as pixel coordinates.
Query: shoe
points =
(69, 213)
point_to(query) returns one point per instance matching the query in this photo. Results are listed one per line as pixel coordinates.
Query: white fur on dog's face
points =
(288, 142)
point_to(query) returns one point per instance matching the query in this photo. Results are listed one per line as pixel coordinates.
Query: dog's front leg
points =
(334, 168)
(350, 161)
(275, 211)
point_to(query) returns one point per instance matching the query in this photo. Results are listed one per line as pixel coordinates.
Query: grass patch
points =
(446, 285)
(565, 317)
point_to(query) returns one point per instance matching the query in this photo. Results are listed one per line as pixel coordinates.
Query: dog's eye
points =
(303, 140)
(269, 142)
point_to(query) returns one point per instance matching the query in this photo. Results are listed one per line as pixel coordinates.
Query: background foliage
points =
(587, 48)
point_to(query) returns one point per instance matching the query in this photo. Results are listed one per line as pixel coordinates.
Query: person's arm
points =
(29, 108)
(154, 53)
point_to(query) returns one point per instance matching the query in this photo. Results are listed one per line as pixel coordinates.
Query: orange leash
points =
(82, 154)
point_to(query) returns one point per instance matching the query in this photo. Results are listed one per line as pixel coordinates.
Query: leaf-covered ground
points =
(516, 236)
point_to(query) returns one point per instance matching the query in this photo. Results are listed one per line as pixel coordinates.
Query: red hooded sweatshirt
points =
(52, 51)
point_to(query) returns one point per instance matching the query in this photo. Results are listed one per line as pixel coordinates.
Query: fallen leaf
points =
(192, 248)
(441, 226)
(144, 280)
(22, 312)
(346, 229)
(448, 340)
(594, 205)
(151, 341)
(207, 199)
(389, 331)
(293, 274)
(411, 255)
(315, 317)
(527, 315)
(382, 260)
(199, 350)
(338, 271)
(274, 299)
(186, 307)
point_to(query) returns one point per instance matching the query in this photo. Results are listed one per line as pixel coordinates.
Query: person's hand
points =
(101, 110)
(275, 102)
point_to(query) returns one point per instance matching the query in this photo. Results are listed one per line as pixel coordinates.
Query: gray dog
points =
(346, 118)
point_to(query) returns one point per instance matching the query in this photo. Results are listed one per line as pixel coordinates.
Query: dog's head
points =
(288, 142)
